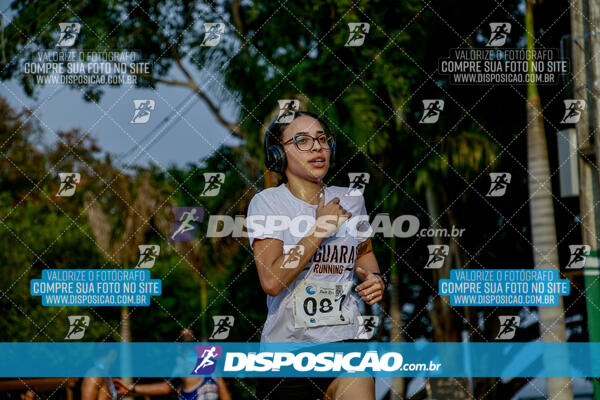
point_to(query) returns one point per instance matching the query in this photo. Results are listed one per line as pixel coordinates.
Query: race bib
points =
(319, 303)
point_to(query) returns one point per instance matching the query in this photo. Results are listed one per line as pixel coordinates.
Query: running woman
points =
(309, 299)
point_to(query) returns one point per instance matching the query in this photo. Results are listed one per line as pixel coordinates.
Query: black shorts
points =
(294, 388)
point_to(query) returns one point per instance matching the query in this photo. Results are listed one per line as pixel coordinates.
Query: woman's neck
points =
(307, 191)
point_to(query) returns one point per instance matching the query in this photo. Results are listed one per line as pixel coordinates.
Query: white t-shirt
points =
(318, 305)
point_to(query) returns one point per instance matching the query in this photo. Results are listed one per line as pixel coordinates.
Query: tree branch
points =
(191, 84)
(170, 83)
(177, 57)
(233, 128)
(237, 17)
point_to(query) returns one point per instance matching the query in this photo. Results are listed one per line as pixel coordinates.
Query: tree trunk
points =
(442, 316)
(590, 121)
(398, 382)
(204, 303)
(586, 71)
(126, 362)
(543, 230)
(124, 249)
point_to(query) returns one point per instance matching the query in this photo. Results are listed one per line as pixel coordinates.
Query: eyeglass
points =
(306, 142)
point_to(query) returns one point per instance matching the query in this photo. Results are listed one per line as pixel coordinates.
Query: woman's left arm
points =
(372, 288)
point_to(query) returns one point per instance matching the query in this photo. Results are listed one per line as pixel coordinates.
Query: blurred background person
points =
(100, 387)
(187, 387)
(30, 395)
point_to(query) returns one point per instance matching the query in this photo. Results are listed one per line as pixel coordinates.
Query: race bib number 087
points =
(321, 303)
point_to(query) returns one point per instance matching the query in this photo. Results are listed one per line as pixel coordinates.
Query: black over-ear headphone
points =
(275, 158)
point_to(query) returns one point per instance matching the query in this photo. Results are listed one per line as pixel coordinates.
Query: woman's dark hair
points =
(276, 131)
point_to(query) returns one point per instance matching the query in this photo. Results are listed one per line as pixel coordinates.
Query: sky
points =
(195, 135)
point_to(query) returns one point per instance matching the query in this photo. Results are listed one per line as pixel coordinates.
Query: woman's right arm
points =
(151, 389)
(269, 255)
(223, 391)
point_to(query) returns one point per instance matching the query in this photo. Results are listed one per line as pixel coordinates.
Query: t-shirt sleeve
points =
(363, 227)
(258, 211)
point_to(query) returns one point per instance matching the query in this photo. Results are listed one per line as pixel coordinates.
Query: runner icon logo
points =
(142, 110)
(499, 34)
(69, 31)
(186, 223)
(358, 33)
(367, 326)
(499, 184)
(207, 359)
(573, 111)
(431, 111)
(437, 255)
(508, 326)
(358, 183)
(148, 254)
(213, 32)
(291, 255)
(287, 109)
(77, 325)
(68, 183)
(223, 324)
(212, 183)
(579, 253)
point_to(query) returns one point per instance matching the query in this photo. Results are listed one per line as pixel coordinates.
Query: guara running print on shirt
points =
(318, 305)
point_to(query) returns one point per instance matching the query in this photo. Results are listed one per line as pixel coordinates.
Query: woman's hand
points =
(371, 290)
(331, 216)
(122, 387)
